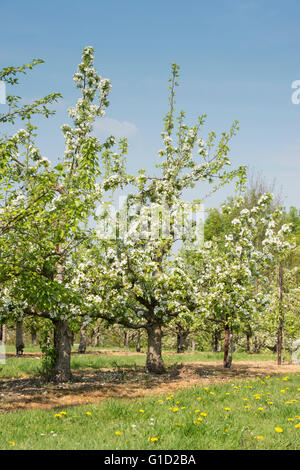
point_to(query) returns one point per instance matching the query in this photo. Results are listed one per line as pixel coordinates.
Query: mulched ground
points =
(92, 386)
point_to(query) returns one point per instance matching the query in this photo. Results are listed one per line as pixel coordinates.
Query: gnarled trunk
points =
(61, 371)
(82, 341)
(154, 361)
(182, 337)
(3, 333)
(138, 341)
(215, 341)
(95, 337)
(19, 338)
(126, 339)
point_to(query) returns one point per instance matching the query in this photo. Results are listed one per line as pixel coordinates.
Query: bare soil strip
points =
(94, 386)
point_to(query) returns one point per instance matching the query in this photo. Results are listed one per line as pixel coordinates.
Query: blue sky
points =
(238, 59)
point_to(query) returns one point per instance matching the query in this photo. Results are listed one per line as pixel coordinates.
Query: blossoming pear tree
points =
(134, 278)
(14, 174)
(41, 248)
(280, 312)
(229, 267)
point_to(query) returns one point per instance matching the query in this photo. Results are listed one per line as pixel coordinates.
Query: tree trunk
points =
(138, 341)
(257, 345)
(215, 341)
(230, 348)
(193, 345)
(34, 340)
(19, 338)
(248, 343)
(126, 339)
(182, 337)
(279, 342)
(82, 341)
(3, 333)
(226, 363)
(96, 336)
(280, 320)
(61, 371)
(154, 361)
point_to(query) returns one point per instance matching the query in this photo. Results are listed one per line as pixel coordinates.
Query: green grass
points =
(173, 420)
(23, 366)
(19, 366)
(12, 349)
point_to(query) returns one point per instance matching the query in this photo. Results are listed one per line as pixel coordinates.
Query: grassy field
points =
(24, 366)
(251, 414)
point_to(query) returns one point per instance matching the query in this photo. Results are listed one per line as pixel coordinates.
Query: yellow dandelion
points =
(297, 425)
(142, 411)
(259, 437)
(153, 439)
(88, 413)
(118, 433)
(203, 414)
(278, 429)
(227, 409)
(12, 443)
